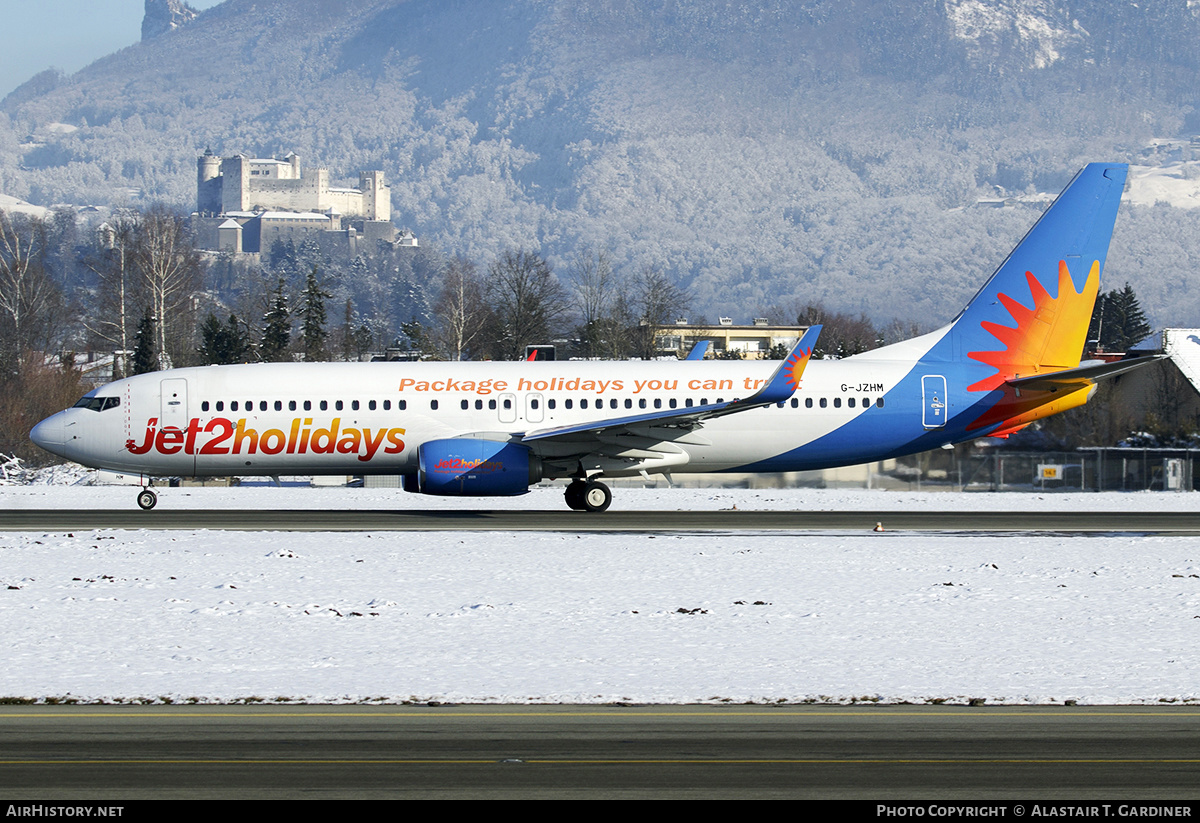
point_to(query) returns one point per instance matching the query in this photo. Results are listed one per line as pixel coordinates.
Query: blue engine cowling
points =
(475, 468)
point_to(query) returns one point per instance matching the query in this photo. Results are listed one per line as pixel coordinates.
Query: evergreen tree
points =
(223, 343)
(313, 312)
(145, 350)
(1118, 321)
(277, 335)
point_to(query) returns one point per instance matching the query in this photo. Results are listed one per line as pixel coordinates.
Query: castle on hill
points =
(245, 205)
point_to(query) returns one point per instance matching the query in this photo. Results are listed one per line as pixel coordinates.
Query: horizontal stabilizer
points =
(1088, 372)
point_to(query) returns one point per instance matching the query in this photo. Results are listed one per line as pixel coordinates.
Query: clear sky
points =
(66, 34)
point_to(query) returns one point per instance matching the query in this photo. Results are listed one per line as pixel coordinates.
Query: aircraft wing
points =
(782, 384)
(1085, 373)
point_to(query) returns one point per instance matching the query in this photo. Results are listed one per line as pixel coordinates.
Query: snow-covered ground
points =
(1175, 183)
(546, 617)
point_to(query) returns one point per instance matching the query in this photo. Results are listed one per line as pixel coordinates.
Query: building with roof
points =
(244, 205)
(750, 342)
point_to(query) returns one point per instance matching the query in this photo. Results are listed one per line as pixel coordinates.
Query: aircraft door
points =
(508, 408)
(933, 401)
(174, 411)
(533, 408)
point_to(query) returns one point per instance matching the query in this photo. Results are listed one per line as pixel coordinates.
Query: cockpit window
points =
(98, 403)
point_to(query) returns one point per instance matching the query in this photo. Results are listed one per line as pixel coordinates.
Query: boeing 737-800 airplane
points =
(1010, 357)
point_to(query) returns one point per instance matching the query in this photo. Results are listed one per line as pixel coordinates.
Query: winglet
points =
(786, 379)
(699, 350)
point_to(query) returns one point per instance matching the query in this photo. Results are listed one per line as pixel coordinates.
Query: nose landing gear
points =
(147, 499)
(588, 496)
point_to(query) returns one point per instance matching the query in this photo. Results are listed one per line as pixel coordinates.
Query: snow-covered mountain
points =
(764, 153)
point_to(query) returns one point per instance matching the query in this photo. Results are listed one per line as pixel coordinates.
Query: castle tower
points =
(377, 196)
(208, 183)
(235, 183)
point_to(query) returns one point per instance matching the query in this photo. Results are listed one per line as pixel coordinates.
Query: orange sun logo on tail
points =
(1049, 336)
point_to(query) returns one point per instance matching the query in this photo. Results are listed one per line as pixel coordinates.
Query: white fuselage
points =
(371, 418)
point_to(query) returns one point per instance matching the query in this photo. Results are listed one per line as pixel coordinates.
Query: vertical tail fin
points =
(1032, 315)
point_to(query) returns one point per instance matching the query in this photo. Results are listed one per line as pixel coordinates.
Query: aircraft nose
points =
(50, 434)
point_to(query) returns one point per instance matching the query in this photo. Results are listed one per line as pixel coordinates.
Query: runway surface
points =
(611, 521)
(872, 752)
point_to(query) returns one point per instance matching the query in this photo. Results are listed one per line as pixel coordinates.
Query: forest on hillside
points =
(756, 153)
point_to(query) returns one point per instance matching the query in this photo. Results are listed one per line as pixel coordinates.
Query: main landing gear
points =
(147, 499)
(588, 496)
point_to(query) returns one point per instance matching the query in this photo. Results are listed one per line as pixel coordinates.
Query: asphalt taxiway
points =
(1076, 522)
(863, 752)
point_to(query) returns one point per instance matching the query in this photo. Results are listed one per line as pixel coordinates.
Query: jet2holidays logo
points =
(222, 436)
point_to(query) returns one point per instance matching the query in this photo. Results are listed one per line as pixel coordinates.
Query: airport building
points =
(752, 342)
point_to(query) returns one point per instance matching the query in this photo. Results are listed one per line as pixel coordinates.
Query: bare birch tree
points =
(30, 302)
(170, 270)
(460, 312)
(113, 265)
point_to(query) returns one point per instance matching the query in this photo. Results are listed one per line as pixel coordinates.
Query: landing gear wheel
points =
(596, 496)
(147, 499)
(574, 495)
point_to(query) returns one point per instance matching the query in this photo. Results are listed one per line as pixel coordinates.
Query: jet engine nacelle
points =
(475, 468)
